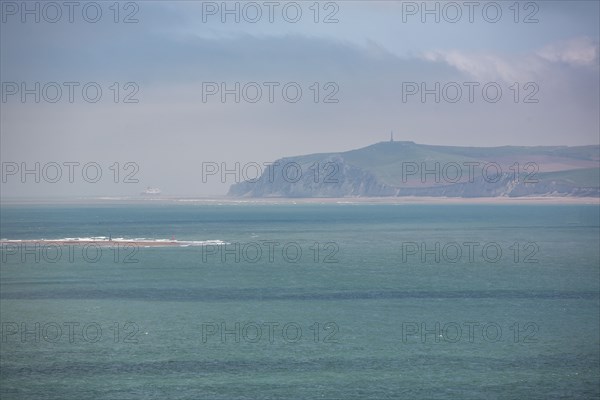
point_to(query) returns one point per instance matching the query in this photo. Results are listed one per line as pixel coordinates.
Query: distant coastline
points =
(225, 200)
(408, 169)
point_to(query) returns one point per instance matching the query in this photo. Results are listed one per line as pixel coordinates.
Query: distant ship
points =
(151, 191)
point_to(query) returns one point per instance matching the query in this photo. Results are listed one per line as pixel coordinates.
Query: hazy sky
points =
(375, 61)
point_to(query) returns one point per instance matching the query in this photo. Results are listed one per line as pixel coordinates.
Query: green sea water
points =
(303, 301)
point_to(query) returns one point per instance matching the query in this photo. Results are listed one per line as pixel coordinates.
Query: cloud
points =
(581, 51)
(577, 52)
(484, 67)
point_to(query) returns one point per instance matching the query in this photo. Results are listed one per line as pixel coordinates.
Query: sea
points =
(300, 301)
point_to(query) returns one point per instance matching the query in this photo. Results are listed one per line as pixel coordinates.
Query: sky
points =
(105, 100)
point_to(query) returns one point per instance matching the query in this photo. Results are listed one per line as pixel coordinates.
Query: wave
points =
(146, 242)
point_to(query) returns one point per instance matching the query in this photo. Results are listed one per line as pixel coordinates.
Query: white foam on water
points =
(105, 239)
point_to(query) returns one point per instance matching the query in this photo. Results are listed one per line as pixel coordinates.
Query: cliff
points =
(410, 169)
